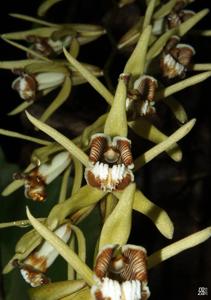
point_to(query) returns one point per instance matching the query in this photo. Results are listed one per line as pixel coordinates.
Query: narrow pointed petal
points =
(164, 10)
(201, 67)
(23, 35)
(21, 107)
(116, 123)
(19, 223)
(56, 290)
(64, 185)
(58, 101)
(136, 63)
(27, 50)
(149, 13)
(16, 64)
(148, 131)
(92, 129)
(179, 246)
(16, 184)
(32, 19)
(85, 197)
(174, 88)
(45, 6)
(177, 109)
(158, 216)
(61, 139)
(63, 250)
(93, 81)
(81, 242)
(23, 137)
(163, 146)
(131, 37)
(78, 176)
(117, 227)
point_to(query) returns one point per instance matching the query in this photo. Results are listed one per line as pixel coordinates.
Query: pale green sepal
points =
(149, 13)
(136, 62)
(33, 20)
(132, 36)
(201, 67)
(117, 227)
(78, 176)
(85, 197)
(45, 32)
(27, 50)
(116, 123)
(177, 109)
(72, 258)
(16, 184)
(156, 150)
(93, 81)
(158, 216)
(179, 246)
(23, 137)
(64, 185)
(97, 126)
(181, 85)
(18, 223)
(165, 9)
(147, 130)
(45, 6)
(59, 100)
(55, 290)
(17, 64)
(21, 107)
(61, 139)
(81, 242)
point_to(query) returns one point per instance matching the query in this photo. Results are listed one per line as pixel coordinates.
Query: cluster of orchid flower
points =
(120, 269)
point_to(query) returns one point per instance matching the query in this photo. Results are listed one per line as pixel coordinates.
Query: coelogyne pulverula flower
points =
(121, 273)
(110, 162)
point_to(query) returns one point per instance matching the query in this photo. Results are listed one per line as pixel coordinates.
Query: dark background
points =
(182, 189)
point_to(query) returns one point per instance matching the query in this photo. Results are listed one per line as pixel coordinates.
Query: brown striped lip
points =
(110, 163)
(121, 273)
